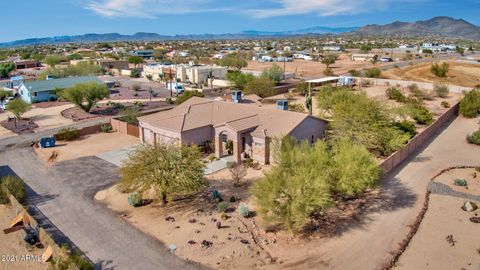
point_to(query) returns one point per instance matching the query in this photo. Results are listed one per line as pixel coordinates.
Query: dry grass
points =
(462, 74)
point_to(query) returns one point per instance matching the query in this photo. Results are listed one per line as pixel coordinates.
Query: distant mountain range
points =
(442, 26)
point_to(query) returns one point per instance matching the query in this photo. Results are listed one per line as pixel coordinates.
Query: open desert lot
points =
(309, 69)
(462, 74)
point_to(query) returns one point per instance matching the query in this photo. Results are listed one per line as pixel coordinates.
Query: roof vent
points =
(237, 96)
(282, 104)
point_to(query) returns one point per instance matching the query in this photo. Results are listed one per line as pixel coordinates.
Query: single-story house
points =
(44, 90)
(364, 57)
(248, 127)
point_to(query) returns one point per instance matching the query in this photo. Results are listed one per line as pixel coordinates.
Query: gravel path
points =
(442, 189)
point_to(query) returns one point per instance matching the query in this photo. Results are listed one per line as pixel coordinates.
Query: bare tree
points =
(238, 172)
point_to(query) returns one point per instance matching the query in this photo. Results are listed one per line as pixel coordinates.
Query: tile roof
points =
(48, 85)
(199, 112)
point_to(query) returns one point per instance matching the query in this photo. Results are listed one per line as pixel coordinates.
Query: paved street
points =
(64, 194)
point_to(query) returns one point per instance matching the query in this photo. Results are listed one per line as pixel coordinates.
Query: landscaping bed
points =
(23, 125)
(445, 238)
(108, 109)
(50, 104)
(119, 93)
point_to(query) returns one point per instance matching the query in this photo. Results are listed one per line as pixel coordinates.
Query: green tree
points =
(86, 95)
(167, 169)
(232, 61)
(329, 59)
(361, 119)
(18, 107)
(75, 56)
(84, 68)
(53, 60)
(470, 104)
(6, 68)
(460, 50)
(160, 54)
(274, 73)
(136, 60)
(239, 79)
(296, 186)
(354, 169)
(261, 86)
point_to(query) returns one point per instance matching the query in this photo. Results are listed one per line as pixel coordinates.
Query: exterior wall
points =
(198, 136)
(309, 127)
(113, 64)
(419, 140)
(261, 150)
(401, 83)
(152, 135)
(35, 97)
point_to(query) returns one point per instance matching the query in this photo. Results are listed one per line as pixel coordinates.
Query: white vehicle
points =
(176, 88)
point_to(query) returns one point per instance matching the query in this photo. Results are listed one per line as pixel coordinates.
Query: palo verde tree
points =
(136, 60)
(261, 86)
(329, 59)
(296, 186)
(167, 169)
(305, 179)
(18, 107)
(85, 95)
(274, 73)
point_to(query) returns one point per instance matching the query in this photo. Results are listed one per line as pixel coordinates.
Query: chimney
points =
(282, 104)
(236, 96)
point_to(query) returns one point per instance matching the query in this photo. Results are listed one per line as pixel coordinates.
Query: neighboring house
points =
(199, 74)
(14, 82)
(110, 65)
(44, 90)
(146, 54)
(251, 128)
(364, 57)
(22, 64)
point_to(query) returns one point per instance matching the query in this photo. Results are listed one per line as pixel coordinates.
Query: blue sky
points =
(41, 18)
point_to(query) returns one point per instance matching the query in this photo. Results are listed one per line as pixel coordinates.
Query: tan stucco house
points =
(250, 127)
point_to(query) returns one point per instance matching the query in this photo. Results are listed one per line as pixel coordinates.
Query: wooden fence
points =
(419, 140)
(125, 128)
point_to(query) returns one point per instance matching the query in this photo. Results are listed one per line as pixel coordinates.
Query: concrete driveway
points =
(61, 196)
(116, 157)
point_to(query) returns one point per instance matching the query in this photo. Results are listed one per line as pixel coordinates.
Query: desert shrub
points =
(296, 107)
(244, 211)
(365, 83)
(222, 207)
(395, 94)
(421, 115)
(474, 138)
(373, 72)
(407, 127)
(135, 199)
(135, 87)
(441, 90)
(67, 134)
(13, 185)
(470, 104)
(3, 196)
(445, 104)
(418, 93)
(106, 128)
(135, 73)
(187, 95)
(66, 259)
(460, 182)
(130, 115)
(439, 70)
(248, 162)
(354, 73)
(328, 72)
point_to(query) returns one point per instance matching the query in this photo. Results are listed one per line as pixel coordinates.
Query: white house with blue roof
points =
(44, 90)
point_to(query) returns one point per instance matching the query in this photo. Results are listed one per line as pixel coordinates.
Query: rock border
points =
(414, 227)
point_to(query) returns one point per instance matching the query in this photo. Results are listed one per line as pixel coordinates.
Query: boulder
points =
(469, 206)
